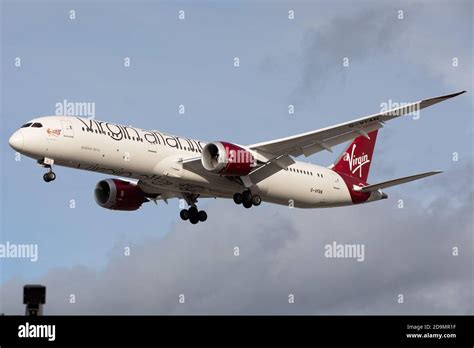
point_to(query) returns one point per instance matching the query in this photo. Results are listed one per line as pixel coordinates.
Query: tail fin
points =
(355, 160)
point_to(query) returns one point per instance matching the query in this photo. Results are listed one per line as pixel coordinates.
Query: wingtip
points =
(452, 95)
(428, 102)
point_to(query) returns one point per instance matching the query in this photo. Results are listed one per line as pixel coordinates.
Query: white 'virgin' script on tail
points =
(356, 163)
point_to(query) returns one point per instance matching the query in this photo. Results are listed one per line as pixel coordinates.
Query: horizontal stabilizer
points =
(395, 182)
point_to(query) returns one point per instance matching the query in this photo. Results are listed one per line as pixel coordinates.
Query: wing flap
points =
(333, 141)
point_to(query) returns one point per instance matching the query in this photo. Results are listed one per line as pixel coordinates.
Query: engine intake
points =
(118, 194)
(227, 159)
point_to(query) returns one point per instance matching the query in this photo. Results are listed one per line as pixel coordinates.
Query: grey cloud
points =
(375, 30)
(371, 29)
(427, 44)
(408, 251)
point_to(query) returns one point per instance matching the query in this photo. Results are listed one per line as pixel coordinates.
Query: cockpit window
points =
(37, 125)
(26, 125)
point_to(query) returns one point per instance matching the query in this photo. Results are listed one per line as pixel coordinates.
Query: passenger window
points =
(26, 125)
(37, 125)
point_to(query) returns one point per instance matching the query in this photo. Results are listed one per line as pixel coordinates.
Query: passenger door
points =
(68, 131)
(336, 184)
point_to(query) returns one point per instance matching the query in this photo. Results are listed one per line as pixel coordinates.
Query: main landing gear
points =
(47, 163)
(247, 199)
(192, 214)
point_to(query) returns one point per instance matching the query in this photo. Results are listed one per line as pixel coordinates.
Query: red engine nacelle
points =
(119, 195)
(227, 159)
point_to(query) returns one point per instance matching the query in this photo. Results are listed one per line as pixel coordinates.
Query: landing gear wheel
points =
(238, 199)
(256, 200)
(247, 204)
(247, 197)
(184, 214)
(50, 176)
(193, 215)
(202, 216)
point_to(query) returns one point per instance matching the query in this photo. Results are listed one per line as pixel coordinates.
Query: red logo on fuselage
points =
(54, 132)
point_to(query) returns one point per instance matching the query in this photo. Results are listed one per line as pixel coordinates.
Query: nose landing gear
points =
(47, 163)
(247, 199)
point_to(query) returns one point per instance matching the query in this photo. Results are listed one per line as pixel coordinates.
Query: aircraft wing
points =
(325, 138)
(156, 193)
(275, 155)
(193, 164)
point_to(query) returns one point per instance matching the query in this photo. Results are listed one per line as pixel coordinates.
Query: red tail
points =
(356, 158)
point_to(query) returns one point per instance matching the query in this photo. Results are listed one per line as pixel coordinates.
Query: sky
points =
(424, 51)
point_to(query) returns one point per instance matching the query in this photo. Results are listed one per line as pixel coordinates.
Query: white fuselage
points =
(155, 158)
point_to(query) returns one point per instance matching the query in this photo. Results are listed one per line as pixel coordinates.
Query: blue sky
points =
(190, 62)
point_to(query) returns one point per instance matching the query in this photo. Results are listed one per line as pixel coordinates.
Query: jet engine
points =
(118, 194)
(227, 159)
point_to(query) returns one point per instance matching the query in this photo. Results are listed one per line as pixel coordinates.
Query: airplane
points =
(157, 166)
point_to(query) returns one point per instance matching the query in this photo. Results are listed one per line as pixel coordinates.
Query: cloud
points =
(407, 251)
(374, 30)
(435, 51)
(357, 36)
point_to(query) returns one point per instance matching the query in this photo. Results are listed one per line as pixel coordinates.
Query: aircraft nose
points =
(16, 140)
